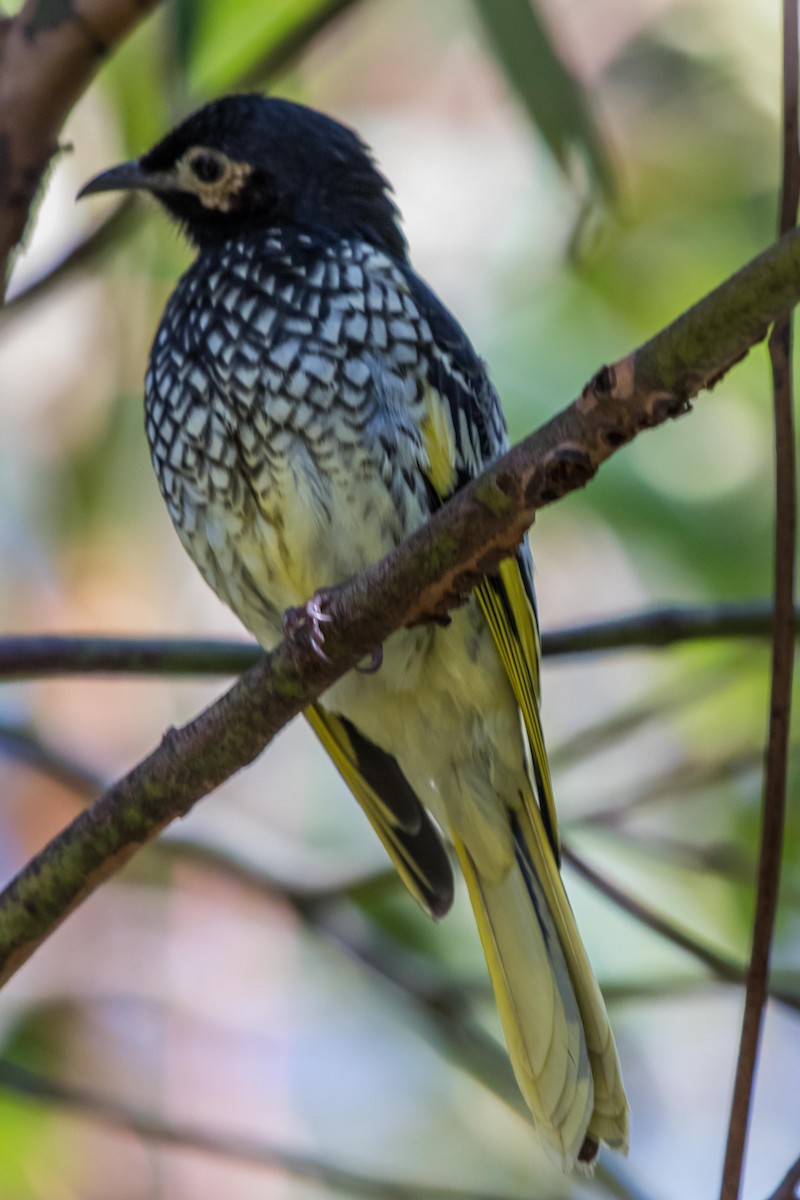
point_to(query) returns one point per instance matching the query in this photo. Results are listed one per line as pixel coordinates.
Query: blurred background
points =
(572, 175)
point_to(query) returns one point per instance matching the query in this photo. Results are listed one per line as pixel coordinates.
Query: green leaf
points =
(555, 100)
(230, 40)
(181, 18)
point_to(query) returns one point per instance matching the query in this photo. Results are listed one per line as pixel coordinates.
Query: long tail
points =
(553, 1015)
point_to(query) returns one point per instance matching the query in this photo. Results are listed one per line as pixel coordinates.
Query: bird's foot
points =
(309, 618)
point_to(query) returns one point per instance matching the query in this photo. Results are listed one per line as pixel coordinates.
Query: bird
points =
(309, 403)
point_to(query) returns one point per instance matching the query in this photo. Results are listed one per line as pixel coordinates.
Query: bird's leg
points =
(309, 617)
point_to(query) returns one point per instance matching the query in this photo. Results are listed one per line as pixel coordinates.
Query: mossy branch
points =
(422, 579)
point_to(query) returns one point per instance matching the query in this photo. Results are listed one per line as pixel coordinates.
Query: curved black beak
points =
(125, 177)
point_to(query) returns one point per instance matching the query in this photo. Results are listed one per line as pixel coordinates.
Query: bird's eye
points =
(213, 179)
(208, 168)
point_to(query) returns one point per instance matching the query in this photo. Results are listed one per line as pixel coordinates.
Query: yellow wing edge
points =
(333, 735)
(509, 614)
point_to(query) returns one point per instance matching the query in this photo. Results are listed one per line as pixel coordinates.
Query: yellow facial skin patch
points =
(220, 193)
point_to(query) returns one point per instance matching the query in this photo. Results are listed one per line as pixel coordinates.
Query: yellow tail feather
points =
(553, 1016)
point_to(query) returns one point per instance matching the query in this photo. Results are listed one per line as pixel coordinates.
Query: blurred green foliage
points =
(553, 98)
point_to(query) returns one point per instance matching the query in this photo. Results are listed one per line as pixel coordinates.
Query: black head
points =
(249, 162)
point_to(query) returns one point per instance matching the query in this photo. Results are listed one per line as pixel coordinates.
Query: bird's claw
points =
(309, 618)
(374, 664)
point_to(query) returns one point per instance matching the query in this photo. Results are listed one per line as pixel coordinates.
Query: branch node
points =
(603, 384)
(169, 739)
(568, 467)
(666, 407)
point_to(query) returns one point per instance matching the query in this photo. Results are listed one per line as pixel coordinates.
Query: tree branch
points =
(421, 580)
(36, 657)
(775, 777)
(48, 55)
(652, 628)
(719, 965)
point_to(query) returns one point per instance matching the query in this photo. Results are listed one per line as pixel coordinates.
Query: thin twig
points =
(774, 799)
(664, 626)
(307, 887)
(677, 783)
(24, 744)
(419, 582)
(788, 1188)
(79, 257)
(35, 657)
(725, 860)
(109, 1111)
(719, 964)
(657, 704)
